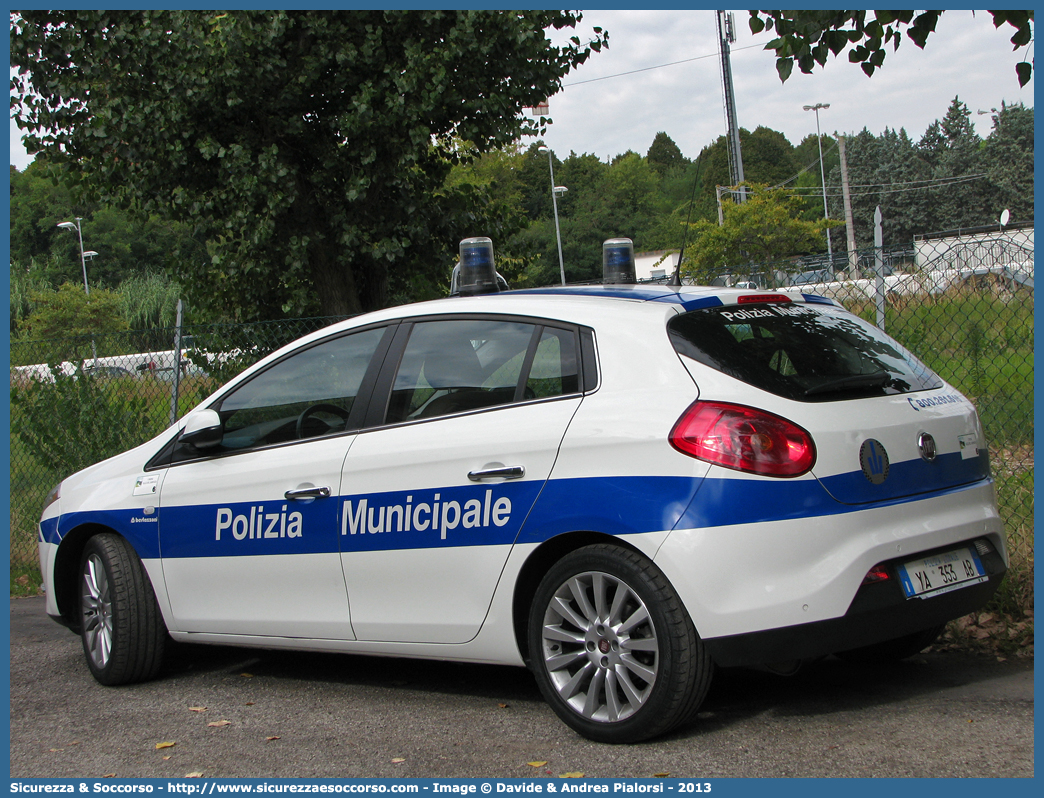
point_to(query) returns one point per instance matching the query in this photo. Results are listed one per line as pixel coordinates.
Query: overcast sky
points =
(606, 111)
(966, 57)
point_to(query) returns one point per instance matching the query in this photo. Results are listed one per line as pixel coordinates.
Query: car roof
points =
(563, 300)
(688, 297)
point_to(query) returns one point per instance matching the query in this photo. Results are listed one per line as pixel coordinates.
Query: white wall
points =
(655, 264)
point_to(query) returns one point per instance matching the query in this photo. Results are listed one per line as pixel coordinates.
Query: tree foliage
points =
(1008, 158)
(664, 155)
(69, 312)
(949, 179)
(127, 246)
(808, 37)
(309, 149)
(768, 226)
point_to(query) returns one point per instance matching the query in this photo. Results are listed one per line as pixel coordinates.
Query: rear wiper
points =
(855, 382)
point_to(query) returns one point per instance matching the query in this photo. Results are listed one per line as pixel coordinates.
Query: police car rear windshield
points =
(803, 352)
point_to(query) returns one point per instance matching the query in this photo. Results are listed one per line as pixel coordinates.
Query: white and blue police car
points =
(620, 486)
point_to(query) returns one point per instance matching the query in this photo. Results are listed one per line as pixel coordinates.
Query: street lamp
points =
(822, 177)
(83, 262)
(556, 192)
(83, 255)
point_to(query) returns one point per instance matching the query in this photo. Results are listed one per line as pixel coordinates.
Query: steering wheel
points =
(323, 407)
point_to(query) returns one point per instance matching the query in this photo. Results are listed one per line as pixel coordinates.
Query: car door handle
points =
(307, 493)
(497, 472)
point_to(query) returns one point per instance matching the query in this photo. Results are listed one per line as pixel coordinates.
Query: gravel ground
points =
(244, 713)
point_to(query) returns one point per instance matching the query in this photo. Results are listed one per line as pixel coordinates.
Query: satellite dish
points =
(1005, 216)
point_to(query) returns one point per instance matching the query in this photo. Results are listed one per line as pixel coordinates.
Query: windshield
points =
(809, 353)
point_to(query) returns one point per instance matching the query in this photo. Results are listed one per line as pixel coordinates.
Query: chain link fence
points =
(76, 401)
(962, 302)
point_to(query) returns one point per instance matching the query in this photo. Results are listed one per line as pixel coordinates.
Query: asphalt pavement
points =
(224, 712)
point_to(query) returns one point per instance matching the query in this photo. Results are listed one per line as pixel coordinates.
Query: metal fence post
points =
(177, 367)
(879, 283)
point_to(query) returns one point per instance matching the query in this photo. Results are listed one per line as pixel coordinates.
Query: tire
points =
(613, 650)
(893, 650)
(121, 627)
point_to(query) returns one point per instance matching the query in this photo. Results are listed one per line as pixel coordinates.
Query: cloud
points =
(965, 57)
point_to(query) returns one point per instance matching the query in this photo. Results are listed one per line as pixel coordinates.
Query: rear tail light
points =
(744, 439)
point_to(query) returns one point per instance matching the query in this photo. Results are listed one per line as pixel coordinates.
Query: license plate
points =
(941, 573)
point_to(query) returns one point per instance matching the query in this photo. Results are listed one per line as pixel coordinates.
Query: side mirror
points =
(202, 429)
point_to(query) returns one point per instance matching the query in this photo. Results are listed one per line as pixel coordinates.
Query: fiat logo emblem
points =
(926, 445)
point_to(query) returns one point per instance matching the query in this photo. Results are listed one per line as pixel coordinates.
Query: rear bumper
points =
(879, 612)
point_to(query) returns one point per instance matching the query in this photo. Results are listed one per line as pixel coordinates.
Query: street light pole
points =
(83, 256)
(554, 201)
(822, 177)
(83, 263)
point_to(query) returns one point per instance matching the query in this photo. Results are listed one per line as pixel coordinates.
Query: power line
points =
(899, 188)
(881, 189)
(792, 178)
(659, 66)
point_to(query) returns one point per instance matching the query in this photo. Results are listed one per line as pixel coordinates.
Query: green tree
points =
(960, 204)
(1008, 156)
(70, 313)
(37, 205)
(768, 226)
(768, 159)
(126, 246)
(900, 169)
(309, 149)
(808, 37)
(664, 155)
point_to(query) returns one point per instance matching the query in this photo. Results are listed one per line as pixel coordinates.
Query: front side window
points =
(804, 352)
(309, 394)
(457, 365)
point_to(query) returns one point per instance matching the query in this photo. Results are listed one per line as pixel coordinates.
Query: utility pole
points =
(726, 36)
(853, 255)
(879, 284)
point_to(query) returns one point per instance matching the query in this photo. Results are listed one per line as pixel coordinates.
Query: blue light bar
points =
(478, 275)
(618, 262)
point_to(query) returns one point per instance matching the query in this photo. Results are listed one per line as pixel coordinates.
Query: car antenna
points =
(676, 278)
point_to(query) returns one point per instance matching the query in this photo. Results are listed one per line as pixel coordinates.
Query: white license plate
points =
(941, 573)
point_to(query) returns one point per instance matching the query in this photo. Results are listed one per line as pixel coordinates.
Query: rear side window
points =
(457, 365)
(808, 353)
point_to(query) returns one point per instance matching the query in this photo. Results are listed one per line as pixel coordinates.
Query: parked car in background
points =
(843, 288)
(105, 372)
(1010, 275)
